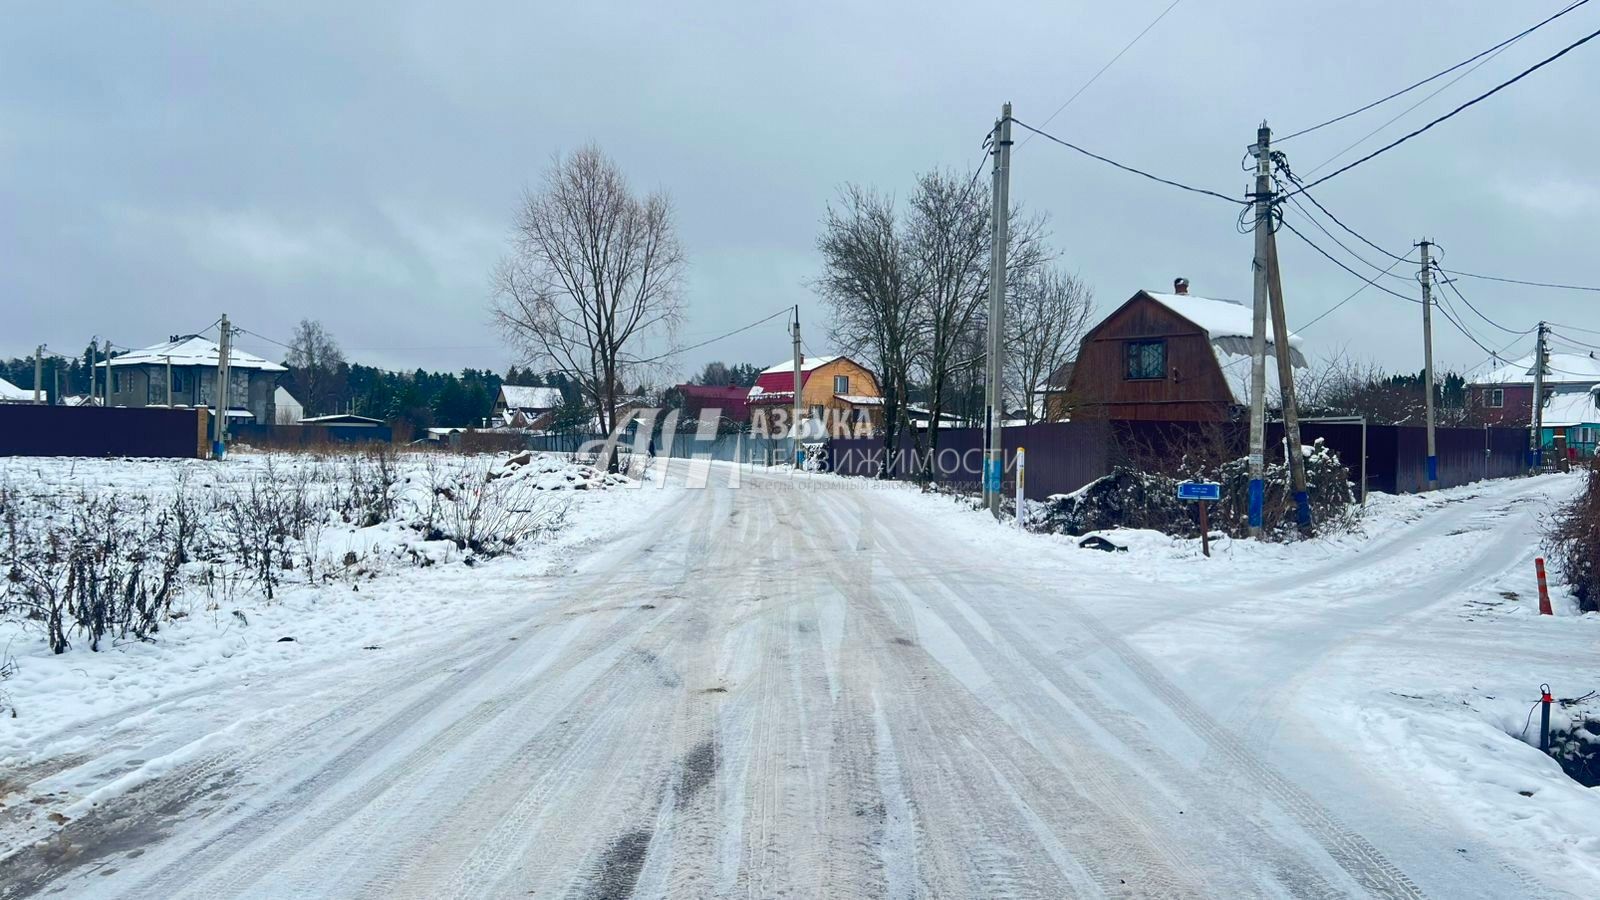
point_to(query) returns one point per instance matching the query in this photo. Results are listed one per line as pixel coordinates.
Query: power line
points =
(1096, 76)
(1330, 310)
(1450, 283)
(1574, 328)
(639, 362)
(1283, 166)
(1405, 90)
(1542, 284)
(1386, 271)
(1125, 168)
(1452, 113)
(1372, 282)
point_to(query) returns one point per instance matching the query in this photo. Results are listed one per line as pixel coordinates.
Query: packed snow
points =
(800, 683)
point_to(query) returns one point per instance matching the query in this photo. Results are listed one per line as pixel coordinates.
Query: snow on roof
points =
(10, 393)
(192, 350)
(1568, 408)
(860, 399)
(1230, 326)
(1562, 368)
(1219, 318)
(342, 419)
(807, 363)
(521, 397)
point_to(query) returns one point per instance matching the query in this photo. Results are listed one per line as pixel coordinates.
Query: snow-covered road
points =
(823, 688)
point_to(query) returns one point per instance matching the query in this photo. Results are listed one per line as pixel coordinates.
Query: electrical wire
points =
(1384, 270)
(1454, 112)
(1126, 168)
(639, 362)
(1330, 310)
(1450, 282)
(1096, 76)
(1542, 284)
(1282, 164)
(1370, 281)
(1405, 90)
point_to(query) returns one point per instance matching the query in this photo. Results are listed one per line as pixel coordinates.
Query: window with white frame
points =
(1494, 398)
(841, 384)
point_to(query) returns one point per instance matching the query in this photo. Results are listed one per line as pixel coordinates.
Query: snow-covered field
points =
(818, 686)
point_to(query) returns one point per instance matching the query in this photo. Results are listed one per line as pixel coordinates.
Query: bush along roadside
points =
(1132, 499)
(1573, 541)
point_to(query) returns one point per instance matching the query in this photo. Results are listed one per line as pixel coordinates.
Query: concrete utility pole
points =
(1291, 411)
(994, 401)
(1536, 439)
(219, 426)
(1427, 362)
(1258, 334)
(798, 455)
(105, 386)
(38, 374)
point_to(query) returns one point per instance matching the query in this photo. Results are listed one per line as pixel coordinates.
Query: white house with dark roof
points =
(183, 372)
(519, 406)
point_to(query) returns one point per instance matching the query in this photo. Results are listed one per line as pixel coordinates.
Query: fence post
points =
(1544, 717)
(1022, 500)
(1544, 588)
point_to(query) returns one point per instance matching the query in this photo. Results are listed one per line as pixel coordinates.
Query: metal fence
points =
(1064, 456)
(28, 430)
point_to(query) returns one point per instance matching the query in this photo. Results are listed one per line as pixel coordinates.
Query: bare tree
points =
(869, 282)
(1047, 315)
(315, 360)
(594, 271)
(948, 231)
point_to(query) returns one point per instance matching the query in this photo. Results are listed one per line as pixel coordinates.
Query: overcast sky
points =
(361, 166)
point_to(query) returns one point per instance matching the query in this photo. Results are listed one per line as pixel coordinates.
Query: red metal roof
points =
(730, 398)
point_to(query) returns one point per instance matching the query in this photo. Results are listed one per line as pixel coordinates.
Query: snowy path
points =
(831, 692)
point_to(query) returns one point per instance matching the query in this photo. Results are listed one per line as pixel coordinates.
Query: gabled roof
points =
(807, 363)
(193, 350)
(10, 393)
(1561, 368)
(1230, 326)
(343, 419)
(521, 397)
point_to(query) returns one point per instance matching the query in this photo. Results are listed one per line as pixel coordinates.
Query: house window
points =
(1146, 360)
(116, 382)
(1494, 398)
(841, 384)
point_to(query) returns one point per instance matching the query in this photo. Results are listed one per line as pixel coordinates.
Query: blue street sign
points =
(1199, 490)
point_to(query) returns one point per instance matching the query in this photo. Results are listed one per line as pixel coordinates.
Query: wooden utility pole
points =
(1427, 362)
(1291, 412)
(1258, 334)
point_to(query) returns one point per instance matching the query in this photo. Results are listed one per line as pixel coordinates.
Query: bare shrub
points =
(1572, 541)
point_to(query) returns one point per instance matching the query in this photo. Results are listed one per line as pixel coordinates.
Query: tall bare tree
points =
(948, 230)
(595, 270)
(315, 360)
(869, 283)
(1047, 315)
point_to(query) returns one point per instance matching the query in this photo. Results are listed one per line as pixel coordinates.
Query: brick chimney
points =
(1180, 286)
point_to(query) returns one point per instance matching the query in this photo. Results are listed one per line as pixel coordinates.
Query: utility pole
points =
(1258, 334)
(38, 374)
(219, 427)
(1536, 439)
(105, 386)
(1427, 362)
(1291, 412)
(798, 456)
(993, 450)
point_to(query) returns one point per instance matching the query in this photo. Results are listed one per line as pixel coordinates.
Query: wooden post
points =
(1205, 530)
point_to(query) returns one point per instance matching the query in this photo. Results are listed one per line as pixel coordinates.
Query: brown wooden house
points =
(1171, 357)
